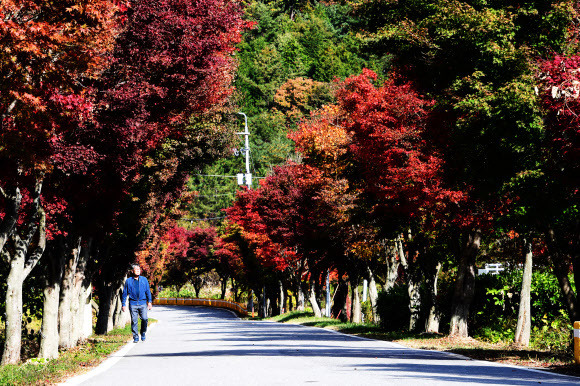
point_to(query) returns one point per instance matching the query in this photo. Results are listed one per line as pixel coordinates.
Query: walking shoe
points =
(135, 340)
(143, 338)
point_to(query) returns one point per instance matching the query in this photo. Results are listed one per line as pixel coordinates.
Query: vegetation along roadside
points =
(40, 371)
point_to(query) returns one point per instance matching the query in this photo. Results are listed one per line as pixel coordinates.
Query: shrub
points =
(367, 311)
(495, 307)
(393, 308)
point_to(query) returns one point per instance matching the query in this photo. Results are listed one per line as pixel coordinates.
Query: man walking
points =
(137, 288)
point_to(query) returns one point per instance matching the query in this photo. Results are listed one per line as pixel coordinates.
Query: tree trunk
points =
(66, 297)
(282, 298)
(261, 306)
(523, 329)
(300, 298)
(13, 329)
(356, 313)
(392, 269)
(561, 271)
(106, 298)
(12, 208)
(413, 287)
(120, 317)
(49, 333)
(224, 287)
(21, 264)
(197, 286)
(414, 304)
(373, 294)
(432, 323)
(338, 310)
(82, 294)
(464, 285)
(235, 291)
(313, 301)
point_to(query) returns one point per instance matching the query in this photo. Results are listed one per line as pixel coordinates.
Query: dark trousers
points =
(138, 311)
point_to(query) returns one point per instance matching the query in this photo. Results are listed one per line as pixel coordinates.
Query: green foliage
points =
(495, 308)
(367, 311)
(476, 58)
(553, 335)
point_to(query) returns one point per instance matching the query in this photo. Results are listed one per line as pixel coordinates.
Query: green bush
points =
(494, 310)
(393, 308)
(554, 335)
(367, 310)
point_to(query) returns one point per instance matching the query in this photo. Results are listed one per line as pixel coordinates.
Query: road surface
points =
(208, 346)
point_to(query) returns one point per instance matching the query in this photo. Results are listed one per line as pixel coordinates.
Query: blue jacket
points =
(137, 290)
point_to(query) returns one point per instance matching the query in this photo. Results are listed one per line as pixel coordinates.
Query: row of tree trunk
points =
(397, 260)
(67, 289)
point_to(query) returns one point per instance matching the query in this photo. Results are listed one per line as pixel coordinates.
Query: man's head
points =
(136, 270)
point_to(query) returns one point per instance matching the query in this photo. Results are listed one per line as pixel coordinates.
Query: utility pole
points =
(246, 150)
(328, 293)
(248, 177)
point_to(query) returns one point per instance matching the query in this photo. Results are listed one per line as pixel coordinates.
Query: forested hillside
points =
(287, 66)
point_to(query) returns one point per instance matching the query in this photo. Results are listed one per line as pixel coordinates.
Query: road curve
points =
(208, 346)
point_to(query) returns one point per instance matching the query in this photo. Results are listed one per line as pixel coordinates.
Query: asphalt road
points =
(208, 346)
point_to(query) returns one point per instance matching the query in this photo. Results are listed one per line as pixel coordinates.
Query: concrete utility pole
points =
(327, 308)
(246, 150)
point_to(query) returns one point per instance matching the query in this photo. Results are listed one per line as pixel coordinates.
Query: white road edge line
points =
(104, 366)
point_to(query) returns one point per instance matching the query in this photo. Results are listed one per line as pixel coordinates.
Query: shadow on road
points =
(213, 334)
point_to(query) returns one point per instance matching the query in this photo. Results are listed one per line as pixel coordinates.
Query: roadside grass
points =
(70, 362)
(561, 361)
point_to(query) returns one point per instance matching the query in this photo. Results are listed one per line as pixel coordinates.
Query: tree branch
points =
(39, 250)
(7, 225)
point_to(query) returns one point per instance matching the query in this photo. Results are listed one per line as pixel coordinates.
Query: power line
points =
(215, 175)
(203, 219)
(215, 195)
(220, 175)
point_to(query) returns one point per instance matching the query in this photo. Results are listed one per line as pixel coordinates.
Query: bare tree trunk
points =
(432, 324)
(523, 329)
(104, 317)
(282, 298)
(198, 285)
(66, 297)
(414, 304)
(224, 287)
(338, 309)
(235, 291)
(120, 318)
(356, 313)
(21, 264)
(13, 329)
(392, 268)
(83, 326)
(13, 203)
(82, 293)
(49, 332)
(561, 271)
(373, 294)
(413, 288)
(300, 298)
(313, 301)
(464, 285)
